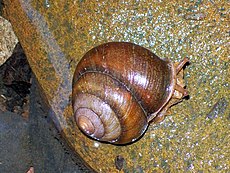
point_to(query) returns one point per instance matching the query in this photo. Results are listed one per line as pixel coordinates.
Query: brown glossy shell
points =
(118, 88)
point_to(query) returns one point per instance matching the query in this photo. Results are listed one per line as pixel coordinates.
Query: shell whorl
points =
(108, 110)
(96, 118)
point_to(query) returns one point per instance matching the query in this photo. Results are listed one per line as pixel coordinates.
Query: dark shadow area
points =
(28, 136)
(1, 7)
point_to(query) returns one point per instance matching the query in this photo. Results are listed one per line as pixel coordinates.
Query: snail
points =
(120, 87)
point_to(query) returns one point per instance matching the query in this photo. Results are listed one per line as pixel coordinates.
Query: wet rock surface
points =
(49, 151)
(195, 137)
(27, 134)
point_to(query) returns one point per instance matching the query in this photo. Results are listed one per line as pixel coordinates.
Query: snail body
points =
(119, 87)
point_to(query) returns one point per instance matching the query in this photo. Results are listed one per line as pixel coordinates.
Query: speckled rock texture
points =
(8, 40)
(194, 137)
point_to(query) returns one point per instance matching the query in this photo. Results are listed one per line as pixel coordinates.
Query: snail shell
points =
(118, 88)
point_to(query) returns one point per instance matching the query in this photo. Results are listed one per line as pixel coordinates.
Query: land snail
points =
(120, 87)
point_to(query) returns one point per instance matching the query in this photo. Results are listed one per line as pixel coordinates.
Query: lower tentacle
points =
(181, 90)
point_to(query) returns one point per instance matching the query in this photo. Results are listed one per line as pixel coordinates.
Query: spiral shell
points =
(118, 88)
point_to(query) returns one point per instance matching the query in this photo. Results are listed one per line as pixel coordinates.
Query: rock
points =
(14, 144)
(8, 40)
